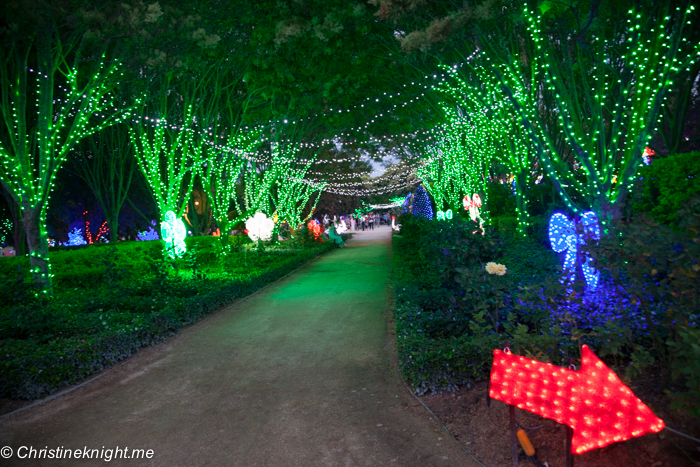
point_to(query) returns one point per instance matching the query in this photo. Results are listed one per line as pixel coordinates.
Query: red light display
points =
(102, 231)
(315, 229)
(594, 402)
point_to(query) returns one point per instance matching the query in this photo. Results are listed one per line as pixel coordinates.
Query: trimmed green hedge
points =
(82, 331)
(440, 364)
(83, 266)
(429, 362)
(668, 183)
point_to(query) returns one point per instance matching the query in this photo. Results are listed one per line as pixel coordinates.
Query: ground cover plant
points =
(109, 301)
(451, 312)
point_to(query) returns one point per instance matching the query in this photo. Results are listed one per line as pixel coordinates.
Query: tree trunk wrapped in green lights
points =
(460, 160)
(168, 156)
(293, 193)
(170, 137)
(221, 175)
(259, 179)
(445, 173)
(51, 99)
(492, 127)
(278, 187)
(608, 93)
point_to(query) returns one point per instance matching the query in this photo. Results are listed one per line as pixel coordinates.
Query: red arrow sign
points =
(593, 402)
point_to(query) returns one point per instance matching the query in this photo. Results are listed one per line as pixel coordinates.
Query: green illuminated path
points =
(298, 374)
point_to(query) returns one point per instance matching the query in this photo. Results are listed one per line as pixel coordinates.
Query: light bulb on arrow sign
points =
(594, 402)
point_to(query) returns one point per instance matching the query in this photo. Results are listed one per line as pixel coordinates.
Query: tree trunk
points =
(18, 236)
(38, 249)
(113, 225)
(521, 202)
(223, 228)
(192, 217)
(612, 211)
(18, 233)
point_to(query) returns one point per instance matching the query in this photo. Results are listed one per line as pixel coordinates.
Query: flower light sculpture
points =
(149, 234)
(260, 227)
(173, 233)
(341, 226)
(563, 237)
(473, 205)
(75, 237)
(394, 225)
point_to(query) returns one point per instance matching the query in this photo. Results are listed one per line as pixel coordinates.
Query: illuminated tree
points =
(279, 186)
(293, 194)
(221, 175)
(607, 92)
(173, 132)
(444, 174)
(50, 99)
(259, 179)
(459, 162)
(496, 130)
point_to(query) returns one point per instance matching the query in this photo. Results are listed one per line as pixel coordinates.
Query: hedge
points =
(668, 184)
(43, 348)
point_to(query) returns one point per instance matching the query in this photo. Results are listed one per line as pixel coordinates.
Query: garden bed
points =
(451, 313)
(111, 301)
(484, 431)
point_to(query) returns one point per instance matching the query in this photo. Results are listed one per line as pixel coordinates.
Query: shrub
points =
(657, 267)
(450, 317)
(44, 346)
(667, 184)
(504, 226)
(500, 199)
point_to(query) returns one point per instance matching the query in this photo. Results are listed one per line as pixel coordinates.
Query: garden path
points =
(300, 373)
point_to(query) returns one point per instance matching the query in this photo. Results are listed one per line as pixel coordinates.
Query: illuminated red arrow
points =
(593, 402)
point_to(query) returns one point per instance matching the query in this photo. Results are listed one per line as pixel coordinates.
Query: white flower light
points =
(260, 227)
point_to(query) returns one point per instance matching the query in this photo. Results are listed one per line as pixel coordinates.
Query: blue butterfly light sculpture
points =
(563, 237)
